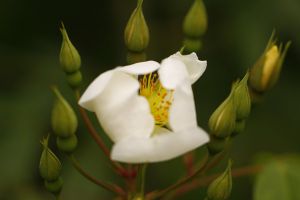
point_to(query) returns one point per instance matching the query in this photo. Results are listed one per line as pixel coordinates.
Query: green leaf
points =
(280, 179)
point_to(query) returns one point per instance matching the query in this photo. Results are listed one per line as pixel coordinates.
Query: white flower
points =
(148, 109)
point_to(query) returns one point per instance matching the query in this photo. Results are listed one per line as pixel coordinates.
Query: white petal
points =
(162, 146)
(140, 68)
(172, 72)
(194, 66)
(119, 108)
(132, 117)
(95, 89)
(182, 113)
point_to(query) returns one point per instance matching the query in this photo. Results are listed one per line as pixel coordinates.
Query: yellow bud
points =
(222, 121)
(136, 33)
(63, 118)
(242, 99)
(195, 22)
(69, 57)
(50, 166)
(271, 59)
(221, 187)
(266, 71)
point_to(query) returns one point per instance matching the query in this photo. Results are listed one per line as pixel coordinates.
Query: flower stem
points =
(188, 161)
(92, 131)
(108, 186)
(208, 163)
(141, 179)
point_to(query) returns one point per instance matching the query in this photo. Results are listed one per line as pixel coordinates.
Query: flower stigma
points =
(158, 97)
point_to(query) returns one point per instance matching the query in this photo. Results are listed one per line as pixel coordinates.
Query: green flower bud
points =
(69, 56)
(222, 121)
(67, 145)
(239, 127)
(54, 186)
(74, 79)
(191, 45)
(242, 99)
(195, 22)
(135, 57)
(220, 188)
(63, 118)
(266, 71)
(136, 33)
(216, 145)
(50, 166)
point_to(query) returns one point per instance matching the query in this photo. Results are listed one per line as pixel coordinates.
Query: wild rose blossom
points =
(147, 109)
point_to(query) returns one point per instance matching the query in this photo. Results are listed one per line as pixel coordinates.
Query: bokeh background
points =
(237, 34)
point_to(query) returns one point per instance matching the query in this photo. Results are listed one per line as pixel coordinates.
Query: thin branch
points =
(108, 186)
(207, 164)
(206, 180)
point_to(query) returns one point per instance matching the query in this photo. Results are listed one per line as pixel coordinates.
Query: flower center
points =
(158, 97)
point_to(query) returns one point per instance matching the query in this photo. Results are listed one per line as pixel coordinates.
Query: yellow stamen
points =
(158, 97)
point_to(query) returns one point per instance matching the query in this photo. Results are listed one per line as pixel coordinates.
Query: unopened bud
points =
(220, 188)
(266, 71)
(67, 145)
(195, 22)
(69, 56)
(242, 99)
(63, 118)
(136, 33)
(50, 166)
(54, 186)
(222, 121)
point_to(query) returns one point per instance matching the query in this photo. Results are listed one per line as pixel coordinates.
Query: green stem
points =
(208, 164)
(141, 179)
(110, 187)
(206, 180)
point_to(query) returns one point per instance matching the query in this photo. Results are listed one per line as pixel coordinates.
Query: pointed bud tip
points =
(50, 166)
(220, 188)
(222, 121)
(69, 57)
(63, 118)
(242, 98)
(195, 21)
(136, 34)
(266, 71)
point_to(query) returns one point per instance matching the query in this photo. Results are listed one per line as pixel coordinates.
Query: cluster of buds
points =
(220, 188)
(136, 35)
(50, 169)
(70, 60)
(194, 26)
(64, 124)
(265, 72)
(229, 118)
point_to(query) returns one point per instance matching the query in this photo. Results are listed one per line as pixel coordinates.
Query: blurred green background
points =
(237, 34)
